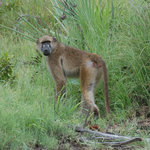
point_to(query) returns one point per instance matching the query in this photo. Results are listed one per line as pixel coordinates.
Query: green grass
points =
(27, 108)
(122, 40)
(118, 31)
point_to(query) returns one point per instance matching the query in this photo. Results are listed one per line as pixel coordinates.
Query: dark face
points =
(46, 48)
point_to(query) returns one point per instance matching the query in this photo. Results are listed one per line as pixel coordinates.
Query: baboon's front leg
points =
(59, 78)
(60, 81)
(60, 89)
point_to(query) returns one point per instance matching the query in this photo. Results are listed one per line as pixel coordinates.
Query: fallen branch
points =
(114, 144)
(105, 136)
(96, 133)
(120, 143)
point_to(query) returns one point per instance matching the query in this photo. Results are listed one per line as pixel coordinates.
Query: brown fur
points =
(65, 61)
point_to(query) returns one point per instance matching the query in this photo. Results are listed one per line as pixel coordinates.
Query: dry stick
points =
(122, 142)
(96, 133)
(119, 143)
(107, 136)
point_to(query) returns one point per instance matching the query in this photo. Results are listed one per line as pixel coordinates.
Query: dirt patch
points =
(36, 146)
(66, 143)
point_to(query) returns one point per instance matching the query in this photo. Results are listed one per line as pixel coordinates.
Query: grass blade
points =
(58, 21)
(27, 31)
(112, 9)
(33, 27)
(26, 36)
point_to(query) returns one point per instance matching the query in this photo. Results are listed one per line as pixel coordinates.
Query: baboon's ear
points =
(37, 41)
(54, 39)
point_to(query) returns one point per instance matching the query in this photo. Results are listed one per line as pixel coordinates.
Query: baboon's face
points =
(46, 44)
(46, 48)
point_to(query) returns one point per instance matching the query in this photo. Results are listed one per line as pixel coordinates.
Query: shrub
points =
(6, 68)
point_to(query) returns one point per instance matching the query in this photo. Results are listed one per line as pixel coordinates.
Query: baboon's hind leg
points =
(88, 83)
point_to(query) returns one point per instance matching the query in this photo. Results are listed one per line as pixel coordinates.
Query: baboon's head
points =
(46, 44)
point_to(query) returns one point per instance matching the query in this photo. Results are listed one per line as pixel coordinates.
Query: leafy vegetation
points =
(6, 68)
(119, 31)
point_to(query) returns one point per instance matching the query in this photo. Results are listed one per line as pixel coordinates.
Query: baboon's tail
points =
(106, 87)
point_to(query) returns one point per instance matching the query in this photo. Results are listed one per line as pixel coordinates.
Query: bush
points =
(6, 68)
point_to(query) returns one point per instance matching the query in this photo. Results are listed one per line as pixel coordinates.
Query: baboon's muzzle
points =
(46, 52)
(46, 49)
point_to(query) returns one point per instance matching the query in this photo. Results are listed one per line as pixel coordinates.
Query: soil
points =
(69, 144)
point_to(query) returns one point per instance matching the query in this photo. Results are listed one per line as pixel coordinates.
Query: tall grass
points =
(27, 108)
(27, 113)
(117, 30)
(27, 18)
(87, 17)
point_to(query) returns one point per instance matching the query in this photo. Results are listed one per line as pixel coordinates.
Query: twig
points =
(106, 135)
(114, 144)
(122, 142)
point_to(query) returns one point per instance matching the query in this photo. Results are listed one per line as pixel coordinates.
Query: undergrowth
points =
(119, 31)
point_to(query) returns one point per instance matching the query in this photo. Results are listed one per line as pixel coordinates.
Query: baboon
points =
(64, 61)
